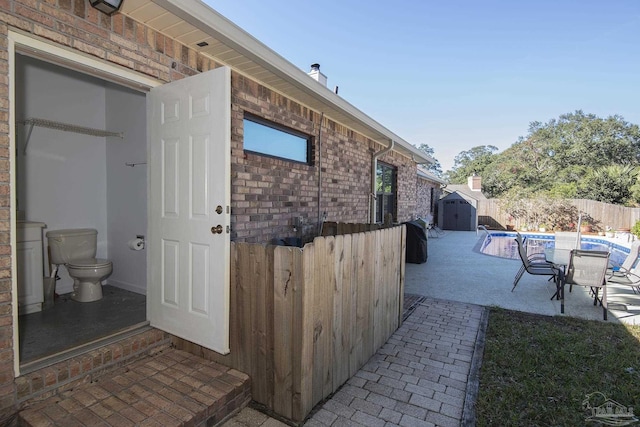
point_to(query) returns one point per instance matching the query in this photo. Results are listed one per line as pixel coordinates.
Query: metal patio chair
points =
(432, 229)
(589, 269)
(534, 264)
(627, 274)
(566, 240)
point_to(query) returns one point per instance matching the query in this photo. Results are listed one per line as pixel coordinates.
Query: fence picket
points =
(615, 216)
(305, 320)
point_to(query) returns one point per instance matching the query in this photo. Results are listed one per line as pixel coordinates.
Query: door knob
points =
(217, 229)
(219, 210)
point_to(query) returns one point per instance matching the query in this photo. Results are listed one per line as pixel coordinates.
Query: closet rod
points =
(66, 127)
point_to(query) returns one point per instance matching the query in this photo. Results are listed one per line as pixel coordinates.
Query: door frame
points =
(30, 45)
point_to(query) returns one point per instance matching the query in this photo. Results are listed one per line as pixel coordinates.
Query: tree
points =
(575, 155)
(472, 162)
(610, 184)
(435, 168)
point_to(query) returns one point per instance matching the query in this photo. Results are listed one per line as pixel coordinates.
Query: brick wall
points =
(407, 197)
(268, 194)
(423, 194)
(73, 24)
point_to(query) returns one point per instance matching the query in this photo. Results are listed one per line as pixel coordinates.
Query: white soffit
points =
(191, 22)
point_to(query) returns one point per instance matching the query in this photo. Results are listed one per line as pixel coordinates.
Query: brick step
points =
(169, 388)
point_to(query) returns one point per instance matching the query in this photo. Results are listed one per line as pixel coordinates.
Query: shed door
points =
(189, 184)
(457, 215)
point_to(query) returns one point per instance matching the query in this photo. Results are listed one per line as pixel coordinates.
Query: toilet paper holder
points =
(137, 244)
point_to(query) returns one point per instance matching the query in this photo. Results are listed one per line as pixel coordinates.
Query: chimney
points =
(475, 183)
(316, 75)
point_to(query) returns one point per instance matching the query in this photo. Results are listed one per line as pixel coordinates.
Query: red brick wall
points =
(267, 194)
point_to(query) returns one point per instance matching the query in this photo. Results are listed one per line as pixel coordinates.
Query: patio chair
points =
(627, 274)
(432, 229)
(629, 278)
(629, 262)
(534, 264)
(589, 269)
(567, 240)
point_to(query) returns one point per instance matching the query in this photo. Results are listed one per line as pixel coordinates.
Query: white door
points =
(189, 128)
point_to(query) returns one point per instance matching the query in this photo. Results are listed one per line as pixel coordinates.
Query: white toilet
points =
(76, 249)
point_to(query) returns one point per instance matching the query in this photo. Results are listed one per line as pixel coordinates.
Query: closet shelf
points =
(66, 127)
(70, 128)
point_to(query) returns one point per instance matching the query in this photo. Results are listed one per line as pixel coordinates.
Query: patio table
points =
(560, 259)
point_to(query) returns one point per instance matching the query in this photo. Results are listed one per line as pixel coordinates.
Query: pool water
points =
(503, 245)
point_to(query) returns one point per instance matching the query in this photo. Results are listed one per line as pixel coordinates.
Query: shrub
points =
(636, 229)
(556, 213)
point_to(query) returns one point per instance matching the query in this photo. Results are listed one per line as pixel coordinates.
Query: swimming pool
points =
(503, 245)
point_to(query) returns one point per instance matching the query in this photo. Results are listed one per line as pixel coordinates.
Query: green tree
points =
(610, 184)
(475, 161)
(575, 155)
(435, 168)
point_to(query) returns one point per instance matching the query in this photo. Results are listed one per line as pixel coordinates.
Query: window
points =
(386, 177)
(271, 139)
(432, 199)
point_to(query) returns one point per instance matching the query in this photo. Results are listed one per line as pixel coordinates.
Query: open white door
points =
(189, 128)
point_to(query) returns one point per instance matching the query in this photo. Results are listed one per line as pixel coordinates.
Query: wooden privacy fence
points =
(303, 321)
(615, 216)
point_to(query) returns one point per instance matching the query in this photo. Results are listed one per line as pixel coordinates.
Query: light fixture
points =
(107, 6)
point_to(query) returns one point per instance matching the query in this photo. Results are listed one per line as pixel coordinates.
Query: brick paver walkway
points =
(418, 378)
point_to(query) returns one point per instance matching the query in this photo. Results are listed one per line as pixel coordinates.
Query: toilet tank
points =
(71, 244)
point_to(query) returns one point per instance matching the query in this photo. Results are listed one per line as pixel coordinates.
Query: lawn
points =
(537, 370)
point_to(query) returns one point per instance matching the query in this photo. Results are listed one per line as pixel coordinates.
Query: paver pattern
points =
(169, 388)
(418, 378)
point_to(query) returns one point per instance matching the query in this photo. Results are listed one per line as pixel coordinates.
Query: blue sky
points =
(457, 74)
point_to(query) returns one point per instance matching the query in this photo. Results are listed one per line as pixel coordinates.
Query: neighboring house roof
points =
(465, 191)
(192, 22)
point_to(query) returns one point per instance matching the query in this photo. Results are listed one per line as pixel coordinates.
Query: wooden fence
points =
(615, 216)
(303, 321)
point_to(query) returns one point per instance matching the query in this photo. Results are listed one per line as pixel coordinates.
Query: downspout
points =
(320, 215)
(374, 169)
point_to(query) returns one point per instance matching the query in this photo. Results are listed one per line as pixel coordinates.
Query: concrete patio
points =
(457, 271)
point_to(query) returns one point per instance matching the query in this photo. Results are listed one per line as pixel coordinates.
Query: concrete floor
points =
(69, 323)
(455, 270)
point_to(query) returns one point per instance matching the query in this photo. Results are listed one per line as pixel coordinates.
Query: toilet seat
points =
(89, 263)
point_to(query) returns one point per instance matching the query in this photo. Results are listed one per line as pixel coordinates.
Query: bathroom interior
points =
(80, 164)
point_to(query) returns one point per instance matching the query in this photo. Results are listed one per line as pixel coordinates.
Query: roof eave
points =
(211, 22)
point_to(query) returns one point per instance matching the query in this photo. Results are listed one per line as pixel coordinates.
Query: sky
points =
(461, 73)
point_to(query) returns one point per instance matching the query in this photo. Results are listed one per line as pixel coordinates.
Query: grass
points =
(537, 370)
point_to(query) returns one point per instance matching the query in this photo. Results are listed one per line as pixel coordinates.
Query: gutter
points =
(374, 170)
